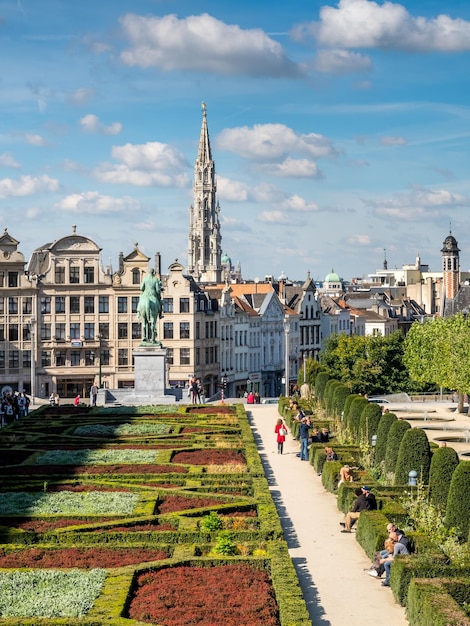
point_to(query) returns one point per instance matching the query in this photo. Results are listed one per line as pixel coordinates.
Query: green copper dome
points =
(332, 277)
(226, 259)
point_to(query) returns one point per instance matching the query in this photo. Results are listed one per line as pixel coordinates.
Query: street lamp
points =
(286, 354)
(100, 339)
(32, 326)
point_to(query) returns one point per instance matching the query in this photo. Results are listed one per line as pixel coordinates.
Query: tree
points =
(414, 454)
(443, 464)
(437, 352)
(312, 368)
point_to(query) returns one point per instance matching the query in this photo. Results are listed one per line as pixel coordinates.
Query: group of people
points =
(253, 397)
(307, 434)
(365, 501)
(196, 391)
(13, 406)
(396, 543)
(54, 399)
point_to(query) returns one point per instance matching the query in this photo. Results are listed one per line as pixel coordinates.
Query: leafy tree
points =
(312, 368)
(384, 426)
(395, 435)
(458, 500)
(443, 464)
(414, 454)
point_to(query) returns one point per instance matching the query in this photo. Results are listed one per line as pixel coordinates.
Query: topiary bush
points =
(414, 454)
(354, 418)
(330, 388)
(341, 393)
(395, 435)
(458, 500)
(369, 421)
(384, 426)
(347, 407)
(320, 384)
(443, 464)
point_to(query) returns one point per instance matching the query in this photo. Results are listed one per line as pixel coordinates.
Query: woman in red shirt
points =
(281, 431)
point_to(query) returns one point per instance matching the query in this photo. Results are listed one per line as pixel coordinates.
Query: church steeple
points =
(450, 266)
(204, 242)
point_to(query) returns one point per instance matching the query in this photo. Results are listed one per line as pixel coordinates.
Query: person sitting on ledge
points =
(365, 501)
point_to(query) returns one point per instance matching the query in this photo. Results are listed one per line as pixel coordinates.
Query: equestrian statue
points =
(149, 309)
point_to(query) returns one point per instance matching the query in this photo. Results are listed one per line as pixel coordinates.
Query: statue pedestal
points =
(150, 369)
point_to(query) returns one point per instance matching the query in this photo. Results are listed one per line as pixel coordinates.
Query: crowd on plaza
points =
(13, 405)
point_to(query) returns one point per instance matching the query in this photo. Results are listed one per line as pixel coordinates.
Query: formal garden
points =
(420, 487)
(133, 516)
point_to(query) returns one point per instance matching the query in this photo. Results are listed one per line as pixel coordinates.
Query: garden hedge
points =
(458, 500)
(383, 428)
(369, 421)
(443, 464)
(430, 602)
(414, 454)
(395, 435)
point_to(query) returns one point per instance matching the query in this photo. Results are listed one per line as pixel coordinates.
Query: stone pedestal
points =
(150, 369)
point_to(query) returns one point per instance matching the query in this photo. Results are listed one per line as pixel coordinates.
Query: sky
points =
(339, 130)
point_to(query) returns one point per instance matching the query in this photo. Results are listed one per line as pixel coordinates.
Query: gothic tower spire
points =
(204, 241)
(450, 266)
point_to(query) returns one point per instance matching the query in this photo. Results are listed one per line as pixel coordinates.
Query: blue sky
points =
(339, 130)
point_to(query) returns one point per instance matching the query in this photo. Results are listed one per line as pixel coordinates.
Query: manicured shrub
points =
(414, 454)
(339, 398)
(347, 407)
(395, 435)
(320, 384)
(369, 421)
(330, 388)
(384, 426)
(354, 417)
(429, 602)
(443, 464)
(458, 500)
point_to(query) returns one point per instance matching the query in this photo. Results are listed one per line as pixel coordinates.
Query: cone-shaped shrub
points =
(384, 426)
(330, 387)
(443, 464)
(339, 398)
(395, 435)
(357, 406)
(369, 421)
(347, 407)
(458, 500)
(414, 454)
(320, 384)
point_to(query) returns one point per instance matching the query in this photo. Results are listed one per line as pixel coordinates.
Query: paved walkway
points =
(330, 565)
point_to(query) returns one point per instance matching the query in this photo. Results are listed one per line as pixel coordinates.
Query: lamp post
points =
(32, 326)
(286, 354)
(100, 338)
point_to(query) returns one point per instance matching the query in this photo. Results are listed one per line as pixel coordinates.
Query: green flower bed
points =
(96, 457)
(49, 593)
(117, 430)
(68, 503)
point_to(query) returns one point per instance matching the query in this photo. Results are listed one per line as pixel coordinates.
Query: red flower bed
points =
(54, 470)
(150, 527)
(80, 488)
(208, 410)
(209, 457)
(80, 557)
(42, 526)
(171, 504)
(228, 595)
(250, 513)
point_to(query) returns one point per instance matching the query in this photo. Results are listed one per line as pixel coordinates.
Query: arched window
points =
(135, 276)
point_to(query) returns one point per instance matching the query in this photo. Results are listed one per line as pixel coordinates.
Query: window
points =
(123, 356)
(74, 274)
(184, 330)
(89, 357)
(45, 332)
(2, 305)
(74, 304)
(14, 359)
(26, 332)
(198, 330)
(2, 359)
(60, 304)
(13, 306)
(60, 275)
(122, 304)
(60, 332)
(2, 332)
(169, 356)
(167, 305)
(2, 279)
(27, 358)
(89, 330)
(104, 304)
(167, 330)
(135, 277)
(75, 330)
(184, 305)
(184, 356)
(136, 330)
(13, 279)
(13, 332)
(198, 356)
(104, 330)
(122, 330)
(105, 355)
(45, 358)
(46, 305)
(75, 358)
(89, 304)
(60, 358)
(27, 305)
(135, 303)
(88, 274)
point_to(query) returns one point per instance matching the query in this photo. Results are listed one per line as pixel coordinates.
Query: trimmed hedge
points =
(320, 384)
(369, 421)
(430, 602)
(354, 417)
(443, 464)
(395, 435)
(458, 500)
(414, 454)
(341, 393)
(383, 428)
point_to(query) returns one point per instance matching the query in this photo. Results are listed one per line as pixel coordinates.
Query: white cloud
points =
(393, 141)
(359, 240)
(97, 47)
(203, 43)
(82, 95)
(233, 224)
(365, 24)
(273, 141)
(341, 62)
(34, 139)
(145, 165)
(91, 124)
(232, 190)
(273, 217)
(299, 204)
(8, 160)
(419, 203)
(293, 168)
(27, 185)
(92, 202)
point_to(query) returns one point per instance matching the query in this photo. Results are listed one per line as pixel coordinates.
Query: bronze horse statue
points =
(149, 309)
